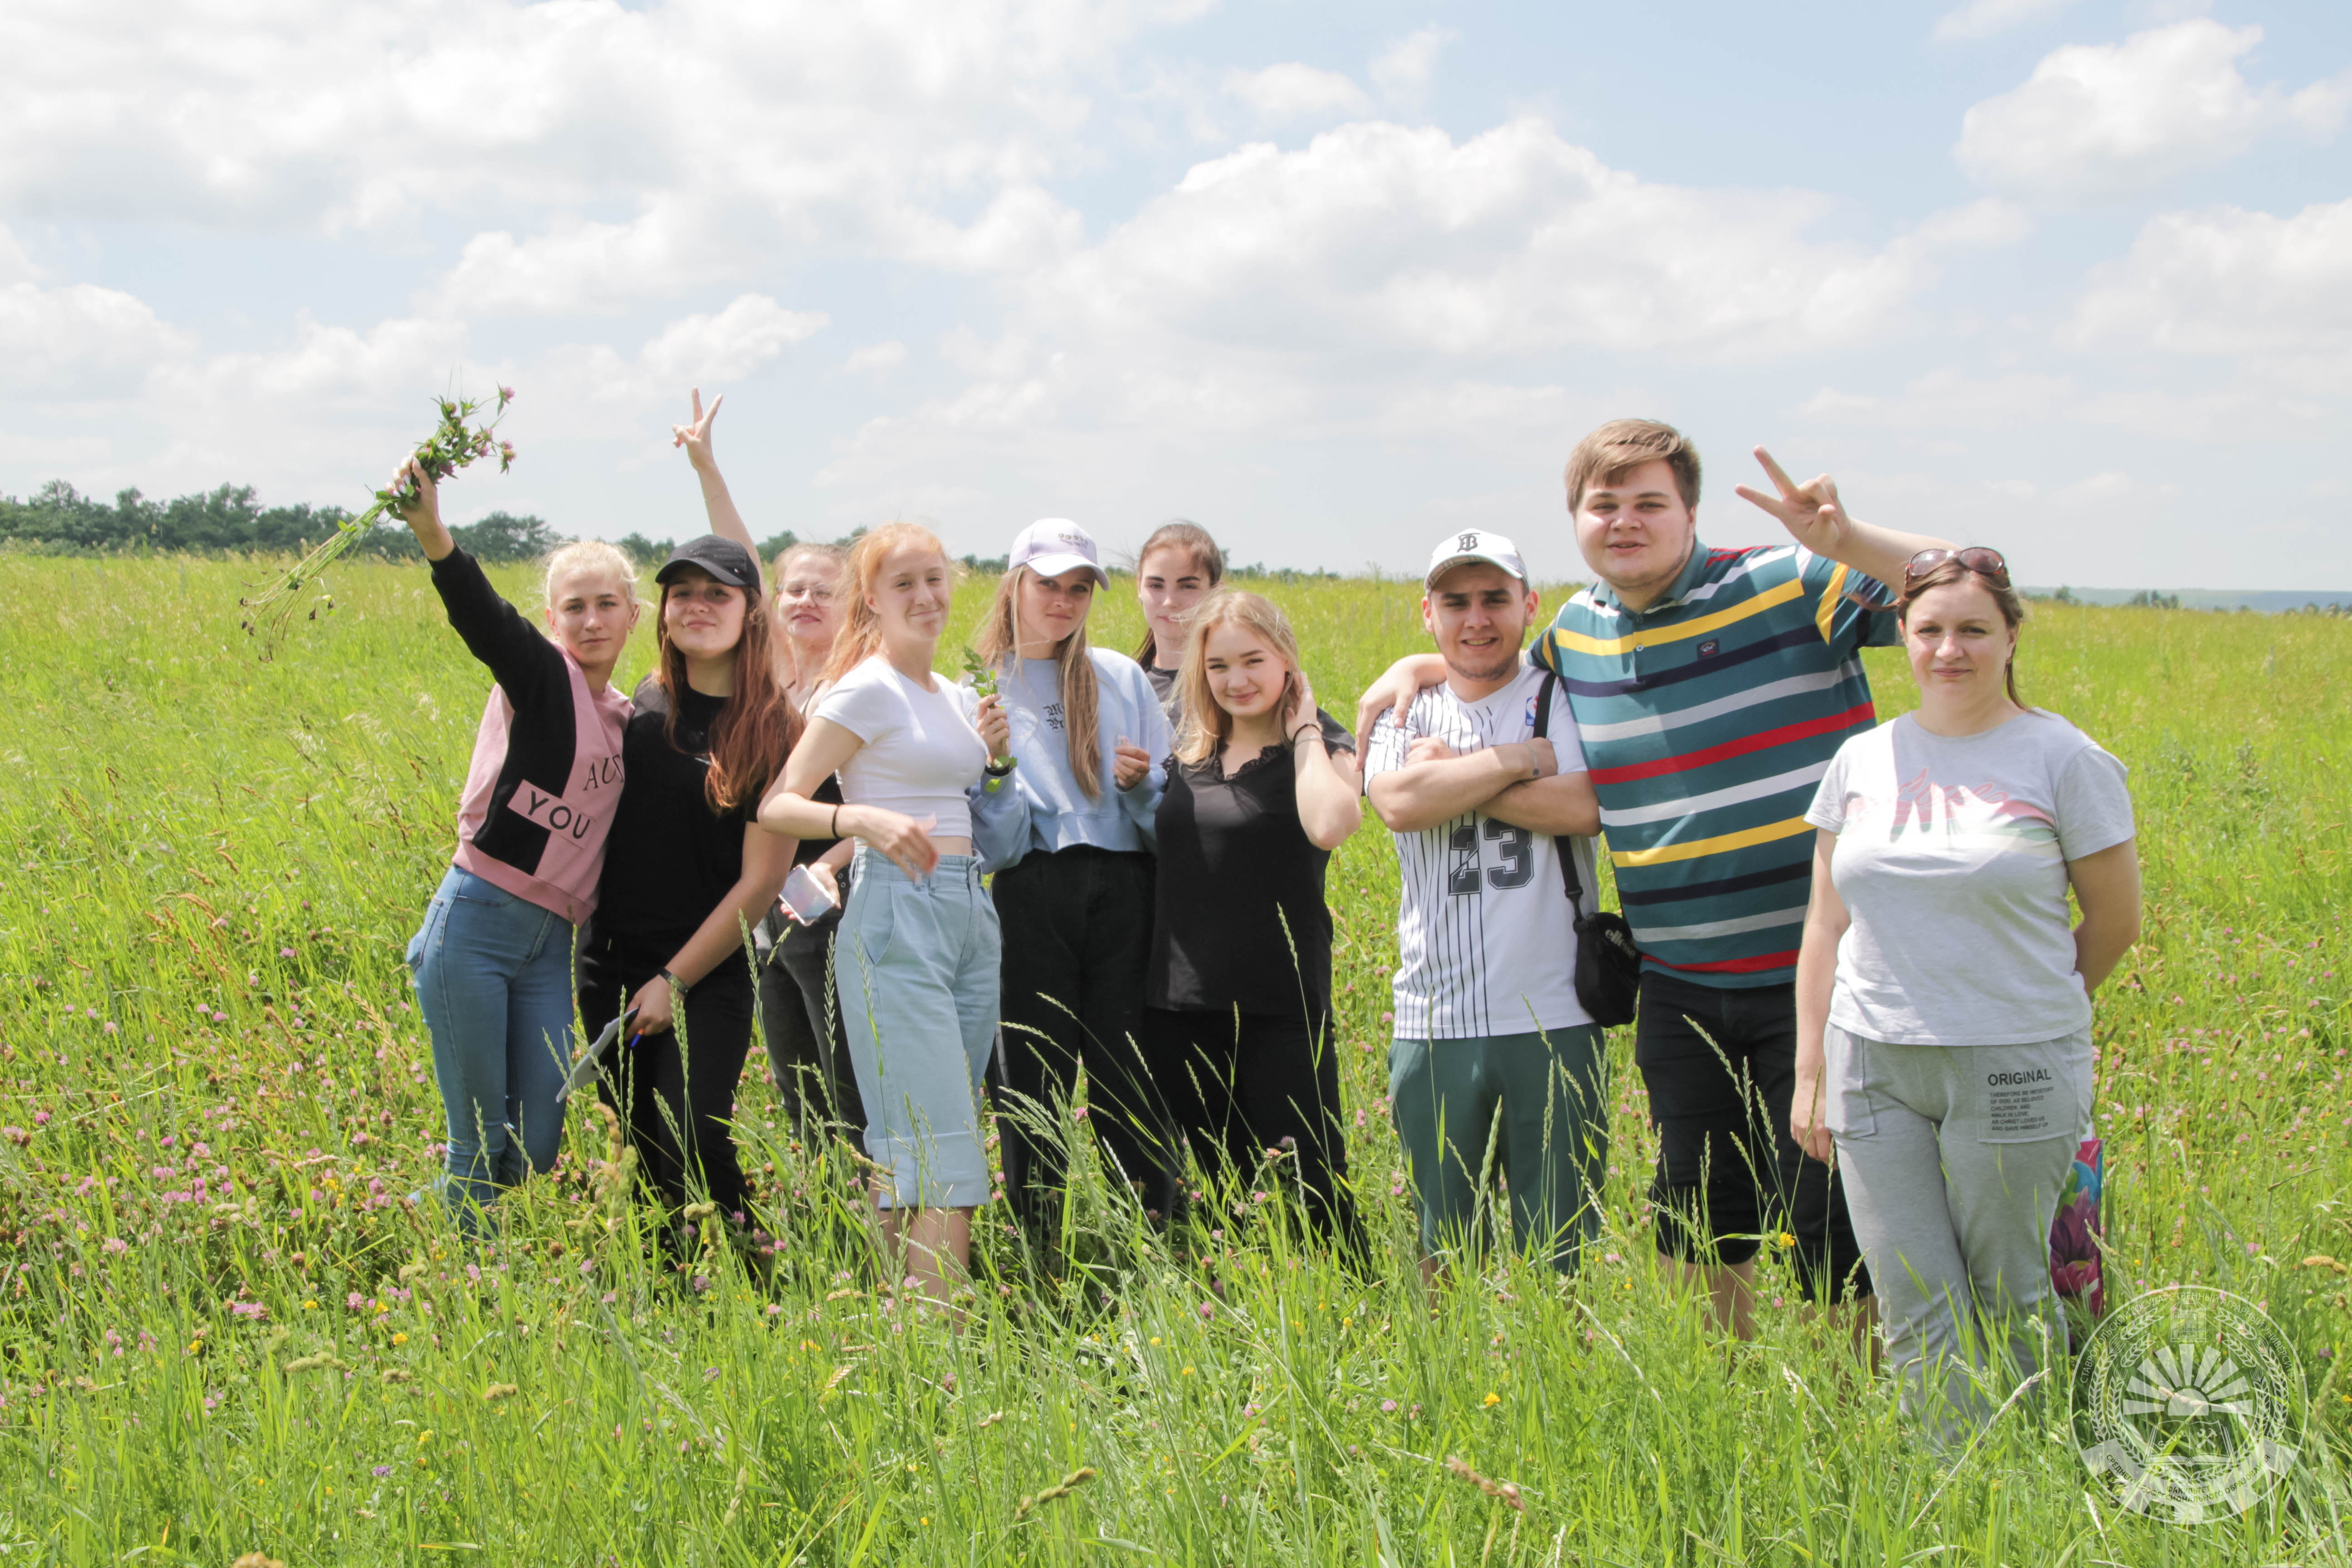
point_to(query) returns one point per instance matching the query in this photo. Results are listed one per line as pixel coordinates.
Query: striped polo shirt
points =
(1707, 720)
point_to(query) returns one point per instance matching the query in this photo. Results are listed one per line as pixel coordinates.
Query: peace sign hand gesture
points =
(695, 436)
(1811, 512)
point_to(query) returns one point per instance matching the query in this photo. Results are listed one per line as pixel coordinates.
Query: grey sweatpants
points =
(1954, 1158)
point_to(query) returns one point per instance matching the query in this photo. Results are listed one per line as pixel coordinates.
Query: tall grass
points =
(223, 1330)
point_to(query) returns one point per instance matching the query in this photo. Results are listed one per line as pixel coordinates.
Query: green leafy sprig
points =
(455, 444)
(983, 677)
(983, 681)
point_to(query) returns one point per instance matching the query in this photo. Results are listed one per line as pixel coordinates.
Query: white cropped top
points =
(921, 751)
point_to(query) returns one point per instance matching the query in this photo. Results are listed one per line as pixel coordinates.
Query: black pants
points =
(1077, 941)
(1729, 1173)
(802, 1023)
(1239, 1084)
(676, 1104)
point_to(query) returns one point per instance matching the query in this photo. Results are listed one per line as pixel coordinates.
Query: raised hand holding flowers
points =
(454, 445)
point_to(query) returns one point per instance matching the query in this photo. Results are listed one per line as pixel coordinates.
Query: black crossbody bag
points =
(1608, 965)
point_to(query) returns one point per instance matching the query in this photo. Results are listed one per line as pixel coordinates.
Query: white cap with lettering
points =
(1053, 545)
(1473, 544)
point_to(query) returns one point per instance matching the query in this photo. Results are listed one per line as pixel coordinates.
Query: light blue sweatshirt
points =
(1040, 808)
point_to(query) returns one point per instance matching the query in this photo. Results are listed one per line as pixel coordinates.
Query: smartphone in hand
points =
(806, 898)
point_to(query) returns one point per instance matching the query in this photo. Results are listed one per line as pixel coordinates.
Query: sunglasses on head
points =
(1985, 563)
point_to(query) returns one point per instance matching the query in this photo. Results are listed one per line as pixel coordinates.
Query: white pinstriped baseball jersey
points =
(1484, 942)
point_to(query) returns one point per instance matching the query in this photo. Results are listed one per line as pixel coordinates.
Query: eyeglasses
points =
(1985, 563)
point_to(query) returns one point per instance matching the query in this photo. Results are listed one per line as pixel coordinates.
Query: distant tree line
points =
(2150, 599)
(57, 518)
(1259, 569)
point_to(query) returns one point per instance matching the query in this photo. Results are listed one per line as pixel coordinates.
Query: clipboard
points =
(584, 1068)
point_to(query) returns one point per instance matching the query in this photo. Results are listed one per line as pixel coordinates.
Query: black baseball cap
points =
(724, 559)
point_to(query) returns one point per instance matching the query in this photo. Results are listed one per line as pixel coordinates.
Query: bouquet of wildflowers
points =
(455, 444)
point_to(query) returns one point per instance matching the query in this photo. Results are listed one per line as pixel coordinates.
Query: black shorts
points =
(1730, 1177)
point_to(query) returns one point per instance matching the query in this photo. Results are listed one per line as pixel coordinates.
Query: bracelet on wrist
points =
(1314, 729)
(676, 987)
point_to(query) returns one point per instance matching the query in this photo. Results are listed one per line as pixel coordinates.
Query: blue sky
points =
(2070, 278)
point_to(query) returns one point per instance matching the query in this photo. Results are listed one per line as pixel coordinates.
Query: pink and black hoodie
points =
(546, 772)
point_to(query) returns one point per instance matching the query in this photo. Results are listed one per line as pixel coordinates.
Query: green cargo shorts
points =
(1532, 1108)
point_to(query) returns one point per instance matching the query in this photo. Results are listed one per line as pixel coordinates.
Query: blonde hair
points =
(808, 548)
(1618, 448)
(999, 645)
(861, 628)
(1206, 723)
(589, 555)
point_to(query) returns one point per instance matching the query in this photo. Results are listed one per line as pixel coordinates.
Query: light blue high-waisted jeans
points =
(917, 967)
(494, 982)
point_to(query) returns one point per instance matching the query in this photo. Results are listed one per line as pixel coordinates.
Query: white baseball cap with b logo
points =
(1473, 544)
(1053, 545)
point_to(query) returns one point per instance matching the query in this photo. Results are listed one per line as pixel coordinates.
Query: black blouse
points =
(1235, 870)
(671, 860)
(650, 698)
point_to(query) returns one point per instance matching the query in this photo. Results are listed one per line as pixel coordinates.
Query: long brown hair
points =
(756, 728)
(1943, 575)
(861, 628)
(998, 644)
(1207, 559)
(1206, 722)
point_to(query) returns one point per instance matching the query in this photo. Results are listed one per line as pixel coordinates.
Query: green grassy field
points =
(223, 1332)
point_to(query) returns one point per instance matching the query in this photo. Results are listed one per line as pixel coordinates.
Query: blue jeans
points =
(917, 968)
(494, 982)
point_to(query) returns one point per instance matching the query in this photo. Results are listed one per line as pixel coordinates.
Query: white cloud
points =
(324, 365)
(1377, 239)
(875, 359)
(1975, 225)
(1948, 399)
(1388, 286)
(16, 266)
(1294, 91)
(2099, 121)
(1022, 228)
(1402, 70)
(2226, 281)
(752, 124)
(578, 267)
(78, 340)
(1983, 19)
(1951, 401)
(729, 345)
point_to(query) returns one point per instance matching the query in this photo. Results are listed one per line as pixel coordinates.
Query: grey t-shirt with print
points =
(1951, 860)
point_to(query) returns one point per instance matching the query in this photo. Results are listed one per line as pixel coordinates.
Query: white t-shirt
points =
(1951, 859)
(1486, 942)
(921, 751)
